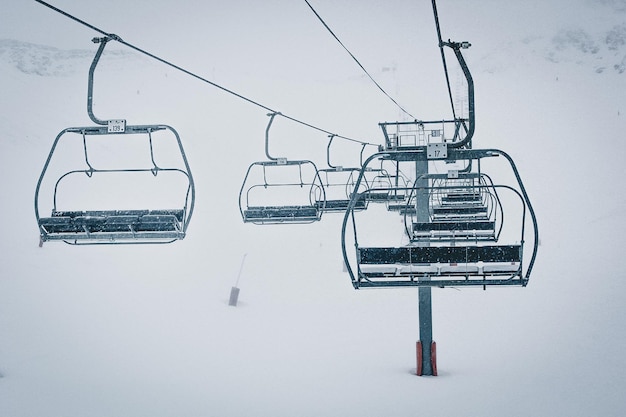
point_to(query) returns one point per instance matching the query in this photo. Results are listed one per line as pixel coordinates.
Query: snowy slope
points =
(146, 330)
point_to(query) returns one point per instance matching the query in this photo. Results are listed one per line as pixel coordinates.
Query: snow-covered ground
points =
(147, 330)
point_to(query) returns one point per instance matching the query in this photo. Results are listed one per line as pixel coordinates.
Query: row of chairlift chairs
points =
(283, 191)
(455, 229)
(453, 219)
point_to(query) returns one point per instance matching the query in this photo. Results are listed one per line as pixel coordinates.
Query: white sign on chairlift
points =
(437, 151)
(453, 174)
(116, 126)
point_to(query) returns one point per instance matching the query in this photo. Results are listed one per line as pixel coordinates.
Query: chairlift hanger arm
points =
(330, 141)
(361, 154)
(340, 167)
(456, 47)
(102, 41)
(267, 137)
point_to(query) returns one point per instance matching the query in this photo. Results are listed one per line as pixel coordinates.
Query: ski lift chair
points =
(281, 191)
(275, 192)
(464, 208)
(79, 225)
(429, 259)
(338, 182)
(386, 186)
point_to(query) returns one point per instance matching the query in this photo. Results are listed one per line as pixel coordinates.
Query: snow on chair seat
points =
(467, 210)
(456, 198)
(379, 270)
(499, 268)
(377, 196)
(418, 269)
(281, 214)
(458, 269)
(437, 265)
(342, 205)
(478, 230)
(112, 225)
(438, 254)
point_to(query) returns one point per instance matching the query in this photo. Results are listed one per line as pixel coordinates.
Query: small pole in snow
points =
(234, 291)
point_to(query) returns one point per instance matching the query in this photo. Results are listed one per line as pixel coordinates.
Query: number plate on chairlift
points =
(437, 151)
(453, 174)
(116, 126)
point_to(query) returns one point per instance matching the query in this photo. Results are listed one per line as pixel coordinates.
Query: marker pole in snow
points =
(234, 291)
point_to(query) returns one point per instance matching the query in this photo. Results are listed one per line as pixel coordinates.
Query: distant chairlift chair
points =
(339, 185)
(281, 191)
(466, 208)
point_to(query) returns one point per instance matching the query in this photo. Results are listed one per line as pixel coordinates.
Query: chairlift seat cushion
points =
(439, 254)
(342, 205)
(461, 198)
(500, 268)
(378, 195)
(111, 221)
(418, 269)
(454, 226)
(281, 213)
(379, 270)
(459, 269)
(459, 210)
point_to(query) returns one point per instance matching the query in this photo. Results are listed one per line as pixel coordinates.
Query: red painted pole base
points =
(420, 358)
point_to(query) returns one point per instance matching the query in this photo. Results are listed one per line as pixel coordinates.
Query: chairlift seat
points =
(402, 208)
(438, 266)
(461, 197)
(461, 203)
(333, 205)
(477, 230)
(341, 205)
(459, 269)
(499, 268)
(459, 210)
(280, 214)
(418, 269)
(380, 270)
(439, 254)
(384, 195)
(112, 225)
(377, 196)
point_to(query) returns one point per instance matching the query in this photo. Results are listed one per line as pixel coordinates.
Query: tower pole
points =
(426, 364)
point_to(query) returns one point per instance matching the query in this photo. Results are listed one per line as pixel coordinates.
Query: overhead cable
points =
(358, 63)
(443, 57)
(240, 96)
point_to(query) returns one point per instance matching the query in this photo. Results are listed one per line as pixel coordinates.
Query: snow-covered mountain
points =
(46, 60)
